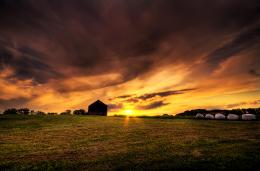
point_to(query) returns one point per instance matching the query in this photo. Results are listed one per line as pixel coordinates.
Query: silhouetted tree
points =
(10, 111)
(236, 111)
(257, 111)
(67, 112)
(32, 112)
(52, 113)
(40, 113)
(244, 110)
(79, 112)
(166, 116)
(23, 111)
(193, 112)
(251, 110)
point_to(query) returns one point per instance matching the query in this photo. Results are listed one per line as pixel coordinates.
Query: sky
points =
(141, 57)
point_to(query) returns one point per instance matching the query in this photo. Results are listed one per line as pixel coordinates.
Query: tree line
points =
(27, 111)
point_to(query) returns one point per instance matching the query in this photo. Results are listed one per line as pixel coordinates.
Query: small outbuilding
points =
(209, 116)
(248, 117)
(97, 108)
(232, 117)
(220, 116)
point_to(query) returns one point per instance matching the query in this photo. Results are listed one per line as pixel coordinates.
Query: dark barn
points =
(97, 108)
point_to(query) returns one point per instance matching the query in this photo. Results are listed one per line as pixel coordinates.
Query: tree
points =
(236, 111)
(52, 113)
(40, 113)
(251, 110)
(244, 110)
(257, 111)
(79, 112)
(67, 112)
(10, 111)
(23, 111)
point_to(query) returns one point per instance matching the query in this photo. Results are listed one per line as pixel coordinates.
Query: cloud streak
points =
(241, 42)
(153, 105)
(148, 96)
(163, 94)
(239, 105)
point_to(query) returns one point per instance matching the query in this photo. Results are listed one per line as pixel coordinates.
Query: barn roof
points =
(98, 102)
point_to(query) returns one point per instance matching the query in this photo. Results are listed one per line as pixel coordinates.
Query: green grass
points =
(115, 143)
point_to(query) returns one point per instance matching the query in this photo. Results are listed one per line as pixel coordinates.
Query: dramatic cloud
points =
(152, 105)
(148, 96)
(162, 94)
(26, 65)
(66, 54)
(254, 72)
(251, 103)
(241, 42)
(124, 96)
(18, 102)
(115, 107)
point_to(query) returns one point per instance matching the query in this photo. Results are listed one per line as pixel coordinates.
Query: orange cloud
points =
(151, 58)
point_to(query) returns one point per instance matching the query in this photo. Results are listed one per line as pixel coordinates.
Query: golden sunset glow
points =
(161, 62)
(128, 112)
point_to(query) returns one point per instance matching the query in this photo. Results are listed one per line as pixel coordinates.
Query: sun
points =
(128, 112)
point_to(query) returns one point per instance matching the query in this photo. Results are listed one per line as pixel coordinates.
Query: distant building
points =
(97, 108)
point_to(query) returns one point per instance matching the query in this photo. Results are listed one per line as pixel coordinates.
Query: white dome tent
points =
(209, 116)
(248, 117)
(232, 117)
(220, 116)
(199, 116)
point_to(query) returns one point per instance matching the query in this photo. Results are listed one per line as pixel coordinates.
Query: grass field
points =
(116, 143)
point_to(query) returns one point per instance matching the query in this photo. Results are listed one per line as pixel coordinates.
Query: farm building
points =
(97, 108)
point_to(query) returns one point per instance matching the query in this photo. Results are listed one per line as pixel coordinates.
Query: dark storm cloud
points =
(30, 52)
(163, 94)
(124, 96)
(235, 105)
(152, 105)
(114, 107)
(93, 37)
(16, 102)
(148, 96)
(254, 72)
(132, 100)
(241, 42)
(26, 65)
